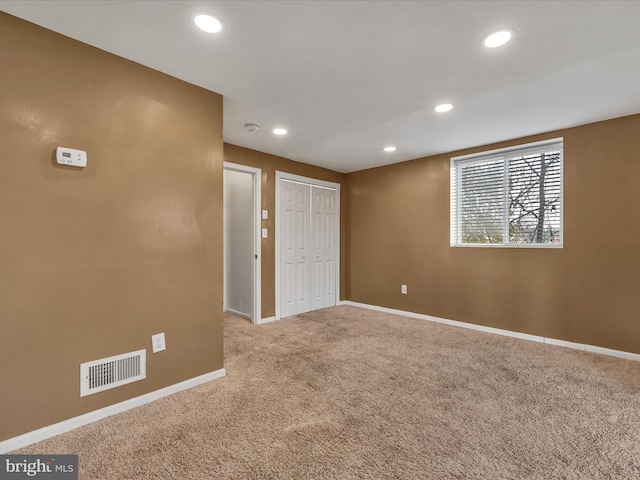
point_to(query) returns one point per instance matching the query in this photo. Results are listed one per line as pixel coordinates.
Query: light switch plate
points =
(265, 214)
(158, 343)
(265, 233)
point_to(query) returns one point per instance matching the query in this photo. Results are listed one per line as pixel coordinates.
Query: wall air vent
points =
(100, 375)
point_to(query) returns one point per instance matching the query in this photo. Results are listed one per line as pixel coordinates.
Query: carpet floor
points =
(347, 393)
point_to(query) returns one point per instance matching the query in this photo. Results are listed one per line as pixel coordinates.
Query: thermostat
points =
(70, 156)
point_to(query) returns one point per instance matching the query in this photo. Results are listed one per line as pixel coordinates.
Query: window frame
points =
(454, 210)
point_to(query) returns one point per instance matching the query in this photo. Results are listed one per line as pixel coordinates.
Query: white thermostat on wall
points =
(70, 156)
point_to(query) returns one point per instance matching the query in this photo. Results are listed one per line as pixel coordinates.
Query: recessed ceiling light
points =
(208, 23)
(279, 131)
(389, 149)
(497, 39)
(443, 107)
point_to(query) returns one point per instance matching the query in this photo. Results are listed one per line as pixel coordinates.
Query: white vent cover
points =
(100, 375)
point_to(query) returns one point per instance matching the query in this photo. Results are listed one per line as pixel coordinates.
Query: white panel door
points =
(287, 249)
(303, 259)
(323, 248)
(294, 231)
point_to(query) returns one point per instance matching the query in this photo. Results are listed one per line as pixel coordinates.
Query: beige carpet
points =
(349, 393)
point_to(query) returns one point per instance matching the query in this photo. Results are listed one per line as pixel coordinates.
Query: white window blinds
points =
(510, 197)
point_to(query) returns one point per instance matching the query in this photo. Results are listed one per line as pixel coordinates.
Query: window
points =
(508, 197)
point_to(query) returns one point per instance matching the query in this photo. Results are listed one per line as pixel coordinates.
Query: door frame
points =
(315, 183)
(256, 314)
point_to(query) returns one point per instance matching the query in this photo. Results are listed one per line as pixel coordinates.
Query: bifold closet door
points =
(295, 279)
(323, 248)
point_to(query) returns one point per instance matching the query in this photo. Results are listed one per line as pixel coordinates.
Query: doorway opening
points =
(242, 244)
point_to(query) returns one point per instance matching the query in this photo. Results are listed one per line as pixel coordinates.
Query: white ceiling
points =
(347, 78)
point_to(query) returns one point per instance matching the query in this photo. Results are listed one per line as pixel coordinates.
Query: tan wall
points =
(269, 164)
(94, 261)
(586, 292)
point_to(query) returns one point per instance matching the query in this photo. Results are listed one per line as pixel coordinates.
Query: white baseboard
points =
(594, 349)
(76, 422)
(497, 331)
(237, 313)
(265, 320)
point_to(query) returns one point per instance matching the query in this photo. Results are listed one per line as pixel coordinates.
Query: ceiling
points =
(347, 78)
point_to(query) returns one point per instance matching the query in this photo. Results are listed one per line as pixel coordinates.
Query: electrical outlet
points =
(265, 214)
(157, 342)
(404, 289)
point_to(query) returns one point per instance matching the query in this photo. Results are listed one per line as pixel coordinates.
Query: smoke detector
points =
(251, 127)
